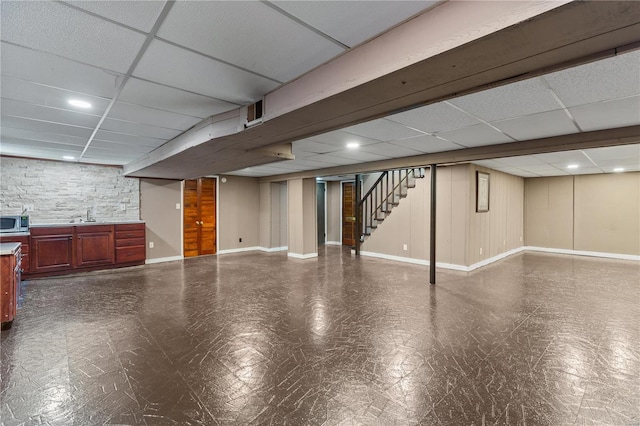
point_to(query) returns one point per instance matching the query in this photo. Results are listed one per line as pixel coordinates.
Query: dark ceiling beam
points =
(570, 34)
(596, 139)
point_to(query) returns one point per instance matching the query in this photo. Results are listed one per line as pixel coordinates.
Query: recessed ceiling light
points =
(572, 166)
(68, 157)
(618, 169)
(353, 145)
(78, 103)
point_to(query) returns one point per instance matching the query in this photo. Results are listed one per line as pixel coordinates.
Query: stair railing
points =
(384, 194)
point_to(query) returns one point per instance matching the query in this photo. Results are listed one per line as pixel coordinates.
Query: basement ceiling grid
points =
(197, 65)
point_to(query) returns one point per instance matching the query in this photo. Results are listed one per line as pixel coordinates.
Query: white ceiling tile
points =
(25, 64)
(536, 126)
(128, 139)
(69, 33)
(341, 139)
(136, 14)
(151, 116)
(121, 156)
(310, 146)
(31, 144)
(510, 170)
(552, 172)
(154, 95)
(36, 94)
(268, 43)
(620, 162)
(35, 112)
(359, 155)
(606, 79)
(352, 22)
(512, 100)
(138, 129)
(382, 130)
(390, 150)
(585, 170)
(491, 164)
(52, 153)
(14, 133)
(613, 153)
(564, 157)
(167, 64)
(477, 135)
(332, 160)
(535, 168)
(45, 127)
(138, 150)
(434, 118)
(522, 160)
(607, 115)
(427, 144)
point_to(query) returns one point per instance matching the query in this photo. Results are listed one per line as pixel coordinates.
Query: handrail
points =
(372, 187)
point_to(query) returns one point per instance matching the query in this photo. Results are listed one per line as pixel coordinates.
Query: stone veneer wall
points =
(62, 191)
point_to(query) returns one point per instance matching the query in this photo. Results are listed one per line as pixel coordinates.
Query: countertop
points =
(9, 248)
(15, 234)
(110, 222)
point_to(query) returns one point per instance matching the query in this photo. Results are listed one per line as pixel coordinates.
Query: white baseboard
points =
(163, 259)
(443, 265)
(273, 249)
(584, 253)
(302, 256)
(332, 243)
(238, 250)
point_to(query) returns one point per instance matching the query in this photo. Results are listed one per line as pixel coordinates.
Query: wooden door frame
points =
(217, 178)
(326, 223)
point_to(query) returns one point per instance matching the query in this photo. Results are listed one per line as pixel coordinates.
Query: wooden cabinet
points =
(130, 243)
(94, 245)
(52, 249)
(9, 286)
(24, 240)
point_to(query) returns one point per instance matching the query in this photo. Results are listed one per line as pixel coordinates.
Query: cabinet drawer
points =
(130, 227)
(130, 234)
(126, 242)
(52, 230)
(130, 254)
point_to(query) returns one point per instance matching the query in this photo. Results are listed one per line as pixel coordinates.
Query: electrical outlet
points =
(177, 206)
(150, 244)
(404, 247)
(123, 207)
(240, 239)
(480, 250)
(27, 207)
(520, 238)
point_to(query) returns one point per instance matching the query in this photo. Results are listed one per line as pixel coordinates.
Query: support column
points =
(301, 214)
(432, 223)
(358, 212)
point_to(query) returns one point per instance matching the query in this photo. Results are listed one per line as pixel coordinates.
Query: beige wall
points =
(301, 211)
(333, 211)
(501, 228)
(273, 215)
(158, 199)
(239, 212)
(549, 212)
(460, 231)
(599, 213)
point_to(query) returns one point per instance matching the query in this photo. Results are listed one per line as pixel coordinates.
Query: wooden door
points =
(199, 215)
(348, 213)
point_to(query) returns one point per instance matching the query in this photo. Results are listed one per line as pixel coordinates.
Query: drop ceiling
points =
(205, 58)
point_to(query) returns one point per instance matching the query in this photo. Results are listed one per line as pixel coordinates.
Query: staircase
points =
(384, 195)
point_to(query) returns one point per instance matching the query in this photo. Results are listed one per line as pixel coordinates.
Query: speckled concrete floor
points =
(257, 338)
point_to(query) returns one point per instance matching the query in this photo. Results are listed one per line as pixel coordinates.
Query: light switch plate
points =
(177, 206)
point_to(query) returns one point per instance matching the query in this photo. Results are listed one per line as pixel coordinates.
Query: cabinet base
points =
(6, 325)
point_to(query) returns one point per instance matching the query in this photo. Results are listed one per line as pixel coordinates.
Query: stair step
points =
(379, 219)
(412, 185)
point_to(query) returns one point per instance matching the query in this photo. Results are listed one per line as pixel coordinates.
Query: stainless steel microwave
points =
(14, 223)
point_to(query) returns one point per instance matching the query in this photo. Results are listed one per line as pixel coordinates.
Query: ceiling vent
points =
(254, 114)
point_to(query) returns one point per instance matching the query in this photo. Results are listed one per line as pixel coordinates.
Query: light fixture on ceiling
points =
(68, 157)
(618, 170)
(79, 104)
(352, 145)
(572, 166)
